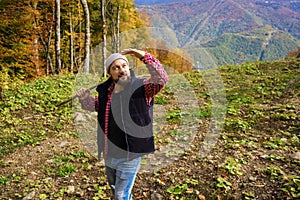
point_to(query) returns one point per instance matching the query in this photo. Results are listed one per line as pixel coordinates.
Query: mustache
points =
(123, 78)
(122, 74)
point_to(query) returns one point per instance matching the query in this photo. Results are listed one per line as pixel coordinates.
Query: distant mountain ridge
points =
(151, 2)
(209, 22)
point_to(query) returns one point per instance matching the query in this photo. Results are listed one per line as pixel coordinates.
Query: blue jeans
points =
(121, 175)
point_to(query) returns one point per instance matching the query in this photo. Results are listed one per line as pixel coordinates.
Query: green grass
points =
(20, 103)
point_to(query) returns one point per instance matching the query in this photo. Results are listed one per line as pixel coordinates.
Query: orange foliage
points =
(295, 53)
(178, 60)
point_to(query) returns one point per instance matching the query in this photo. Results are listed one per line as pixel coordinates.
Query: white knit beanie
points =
(112, 58)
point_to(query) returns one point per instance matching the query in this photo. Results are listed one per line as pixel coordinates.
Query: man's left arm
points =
(158, 76)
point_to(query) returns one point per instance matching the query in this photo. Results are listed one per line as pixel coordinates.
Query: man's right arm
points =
(87, 101)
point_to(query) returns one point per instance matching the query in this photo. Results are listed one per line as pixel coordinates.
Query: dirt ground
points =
(31, 173)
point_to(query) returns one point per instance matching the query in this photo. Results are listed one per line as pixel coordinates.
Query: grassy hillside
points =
(30, 99)
(260, 44)
(256, 156)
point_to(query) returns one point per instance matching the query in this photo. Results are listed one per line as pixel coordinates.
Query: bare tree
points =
(103, 14)
(114, 17)
(57, 36)
(45, 30)
(1, 93)
(71, 43)
(118, 28)
(87, 36)
(78, 58)
(35, 41)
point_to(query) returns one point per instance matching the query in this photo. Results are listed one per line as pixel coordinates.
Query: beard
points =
(123, 80)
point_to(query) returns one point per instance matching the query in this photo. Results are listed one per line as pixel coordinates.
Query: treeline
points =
(43, 37)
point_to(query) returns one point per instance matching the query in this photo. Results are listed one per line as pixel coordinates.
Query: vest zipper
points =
(124, 128)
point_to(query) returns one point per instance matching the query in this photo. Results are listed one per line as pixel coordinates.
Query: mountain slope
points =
(151, 2)
(205, 22)
(260, 44)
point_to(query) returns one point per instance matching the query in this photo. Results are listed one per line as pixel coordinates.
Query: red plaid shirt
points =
(153, 85)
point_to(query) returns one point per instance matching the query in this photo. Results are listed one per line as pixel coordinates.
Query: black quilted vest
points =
(130, 132)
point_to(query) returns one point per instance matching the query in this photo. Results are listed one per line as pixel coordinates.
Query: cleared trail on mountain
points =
(265, 44)
(211, 11)
(198, 28)
(256, 18)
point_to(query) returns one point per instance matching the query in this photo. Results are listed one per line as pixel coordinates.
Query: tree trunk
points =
(78, 64)
(57, 36)
(103, 10)
(114, 17)
(36, 55)
(114, 34)
(87, 36)
(112, 25)
(46, 45)
(1, 93)
(71, 44)
(35, 42)
(118, 29)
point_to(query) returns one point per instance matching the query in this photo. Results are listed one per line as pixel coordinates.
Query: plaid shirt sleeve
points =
(90, 104)
(158, 77)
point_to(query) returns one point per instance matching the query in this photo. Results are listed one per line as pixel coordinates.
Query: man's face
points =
(119, 71)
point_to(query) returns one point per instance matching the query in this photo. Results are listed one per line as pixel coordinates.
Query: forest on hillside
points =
(51, 37)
